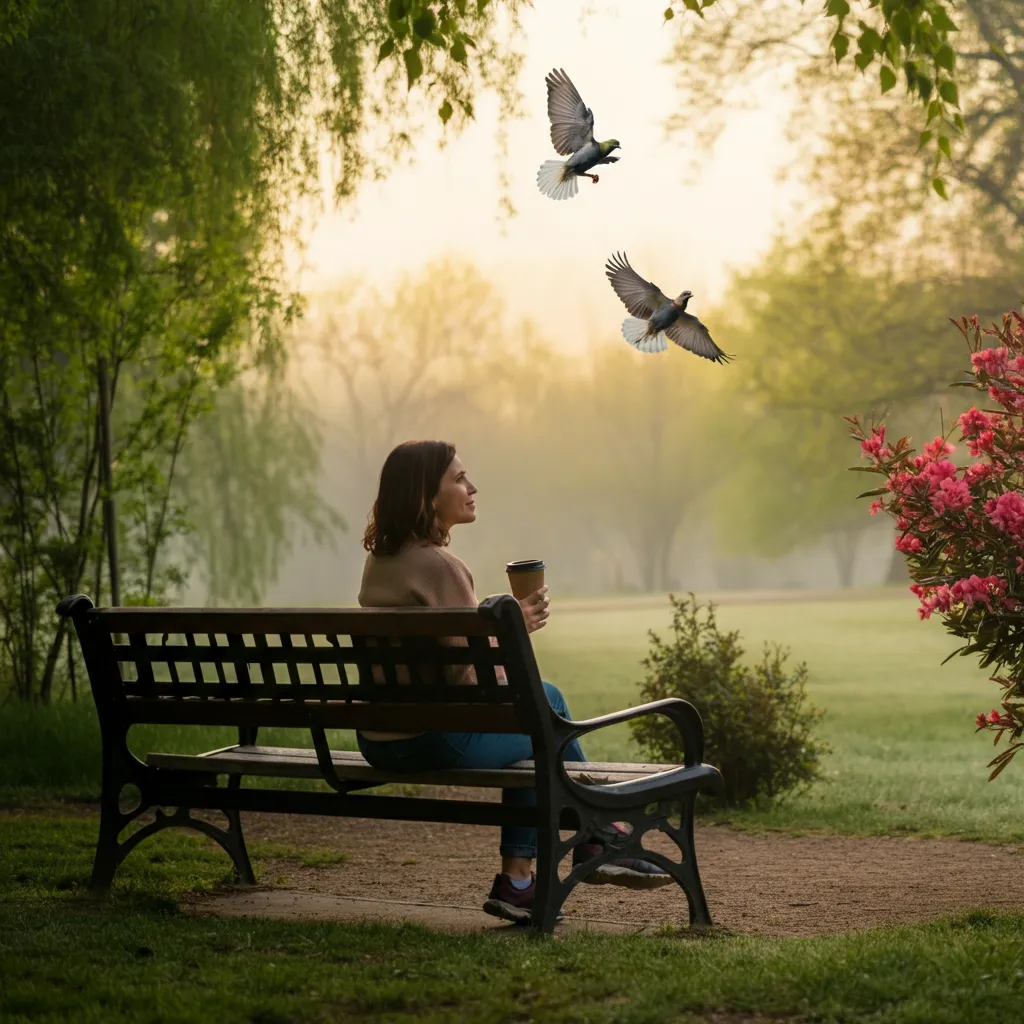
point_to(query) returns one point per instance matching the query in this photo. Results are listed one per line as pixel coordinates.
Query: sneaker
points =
(510, 903)
(631, 872)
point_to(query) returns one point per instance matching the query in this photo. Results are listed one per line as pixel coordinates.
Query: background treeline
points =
(150, 176)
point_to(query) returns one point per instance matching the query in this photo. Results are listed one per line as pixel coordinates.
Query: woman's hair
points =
(404, 509)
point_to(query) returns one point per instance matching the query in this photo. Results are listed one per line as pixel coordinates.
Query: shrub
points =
(961, 527)
(757, 721)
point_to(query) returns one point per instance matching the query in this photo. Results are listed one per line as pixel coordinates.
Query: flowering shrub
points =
(961, 528)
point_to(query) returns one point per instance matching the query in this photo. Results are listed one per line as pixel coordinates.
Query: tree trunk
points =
(844, 544)
(50, 667)
(897, 571)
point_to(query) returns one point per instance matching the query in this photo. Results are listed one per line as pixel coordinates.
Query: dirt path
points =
(756, 884)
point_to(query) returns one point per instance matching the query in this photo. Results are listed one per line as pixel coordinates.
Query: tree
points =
(825, 332)
(869, 135)
(643, 460)
(398, 366)
(150, 154)
(250, 483)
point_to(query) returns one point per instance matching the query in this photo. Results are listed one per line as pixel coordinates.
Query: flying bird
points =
(655, 315)
(572, 132)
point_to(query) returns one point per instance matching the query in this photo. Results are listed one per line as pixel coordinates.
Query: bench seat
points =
(301, 763)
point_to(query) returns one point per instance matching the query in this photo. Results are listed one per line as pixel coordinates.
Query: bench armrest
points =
(682, 713)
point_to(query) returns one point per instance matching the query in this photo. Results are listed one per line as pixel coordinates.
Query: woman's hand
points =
(535, 609)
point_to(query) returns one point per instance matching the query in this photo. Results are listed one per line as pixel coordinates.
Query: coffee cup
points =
(525, 576)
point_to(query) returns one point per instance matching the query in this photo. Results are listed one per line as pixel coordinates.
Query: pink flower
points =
(876, 507)
(993, 717)
(932, 599)
(990, 360)
(980, 471)
(939, 446)
(982, 444)
(974, 421)
(977, 590)
(873, 445)
(909, 544)
(951, 495)
(1006, 398)
(981, 721)
(1007, 512)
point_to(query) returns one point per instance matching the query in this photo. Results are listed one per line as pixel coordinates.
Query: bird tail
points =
(638, 333)
(554, 181)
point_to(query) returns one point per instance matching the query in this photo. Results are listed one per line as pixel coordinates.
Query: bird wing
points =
(640, 297)
(692, 335)
(572, 122)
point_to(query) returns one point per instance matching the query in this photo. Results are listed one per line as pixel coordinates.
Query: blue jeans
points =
(441, 750)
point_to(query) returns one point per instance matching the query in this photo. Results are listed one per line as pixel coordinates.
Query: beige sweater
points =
(421, 573)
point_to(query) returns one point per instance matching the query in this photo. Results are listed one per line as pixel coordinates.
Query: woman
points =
(424, 492)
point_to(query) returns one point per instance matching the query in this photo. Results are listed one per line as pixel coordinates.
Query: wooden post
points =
(109, 514)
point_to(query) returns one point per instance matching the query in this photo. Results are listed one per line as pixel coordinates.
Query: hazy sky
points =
(548, 260)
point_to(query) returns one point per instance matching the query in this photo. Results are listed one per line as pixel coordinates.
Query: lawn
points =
(905, 759)
(137, 958)
(905, 755)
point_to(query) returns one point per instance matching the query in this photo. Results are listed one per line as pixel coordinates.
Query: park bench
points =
(363, 668)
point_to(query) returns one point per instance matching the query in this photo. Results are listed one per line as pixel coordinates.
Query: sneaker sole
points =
(613, 874)
(517, 915)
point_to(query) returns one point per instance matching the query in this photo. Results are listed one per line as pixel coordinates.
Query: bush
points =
(757, 721)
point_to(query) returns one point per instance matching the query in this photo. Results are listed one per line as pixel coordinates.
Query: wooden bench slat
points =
(370, 622)
(332, 714)
(301, 763)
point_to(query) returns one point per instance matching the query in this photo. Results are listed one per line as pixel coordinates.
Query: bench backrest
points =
(349, 668)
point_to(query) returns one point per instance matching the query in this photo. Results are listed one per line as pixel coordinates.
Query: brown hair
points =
(409, 481)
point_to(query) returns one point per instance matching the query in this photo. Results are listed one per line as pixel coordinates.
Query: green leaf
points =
(458, 51)
(949, 92)
(944, 146)
(944, 57)
(837, 8)
(924, 86)
(841, 44)
(926, 137)
(901, 25)
(669, 14)
(887, 77)
(425, 24)
(939, 185)
(958, 123)
(863, 59)
(941, 20)
(413, 65)
(445, 112)
(693, 5)
(874, 493)
(460, 6)
(386, 49)
(869, 39)
(397, 9)
(436, 39)
(934, 109)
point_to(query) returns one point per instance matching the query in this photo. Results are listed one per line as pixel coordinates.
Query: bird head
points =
(609, 146)
(683, 298)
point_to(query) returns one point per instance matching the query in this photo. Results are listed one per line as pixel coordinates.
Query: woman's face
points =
(454, 502)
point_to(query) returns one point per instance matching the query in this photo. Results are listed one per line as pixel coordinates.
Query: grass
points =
(905, 760)
(138, 958)
(905, 756)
